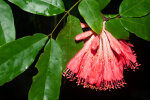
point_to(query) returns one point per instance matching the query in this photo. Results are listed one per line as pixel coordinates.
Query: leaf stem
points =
(67, 12)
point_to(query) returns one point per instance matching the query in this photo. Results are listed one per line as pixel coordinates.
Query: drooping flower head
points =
(101, 61)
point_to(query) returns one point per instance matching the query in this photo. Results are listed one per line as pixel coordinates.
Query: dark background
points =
(137, 87)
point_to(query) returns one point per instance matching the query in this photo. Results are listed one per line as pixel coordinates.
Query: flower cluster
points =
(101, 61)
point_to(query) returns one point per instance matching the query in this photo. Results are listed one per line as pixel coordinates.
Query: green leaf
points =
(46, 84)
(90, 11)
(7, 28)
(2, 38)
(41, 7)
(134, 8)
(103, 3)
(138, 26)
(110, 15)
(115, 27)
(17, 56)
(66, 39)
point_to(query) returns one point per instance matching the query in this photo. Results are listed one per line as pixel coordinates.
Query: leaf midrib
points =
(91, 13)
(47, 68)
(3, 35)
(21, 51)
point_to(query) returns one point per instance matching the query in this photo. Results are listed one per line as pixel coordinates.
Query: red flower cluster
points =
(100, 63)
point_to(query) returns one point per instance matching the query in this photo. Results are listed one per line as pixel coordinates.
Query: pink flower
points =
(101, 61)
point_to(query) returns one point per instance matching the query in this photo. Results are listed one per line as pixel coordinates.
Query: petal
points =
(83, 35)
(95, 43)
(84, 25)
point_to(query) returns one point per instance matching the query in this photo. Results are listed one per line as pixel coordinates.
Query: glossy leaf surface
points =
(90, 11)
(102, 3)
(115, 27)
(7, 28)
(46, 84)
(2, 38)
(134, 8)
(66, 39)
(138, 26)
(18, 55)
(41, 7)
